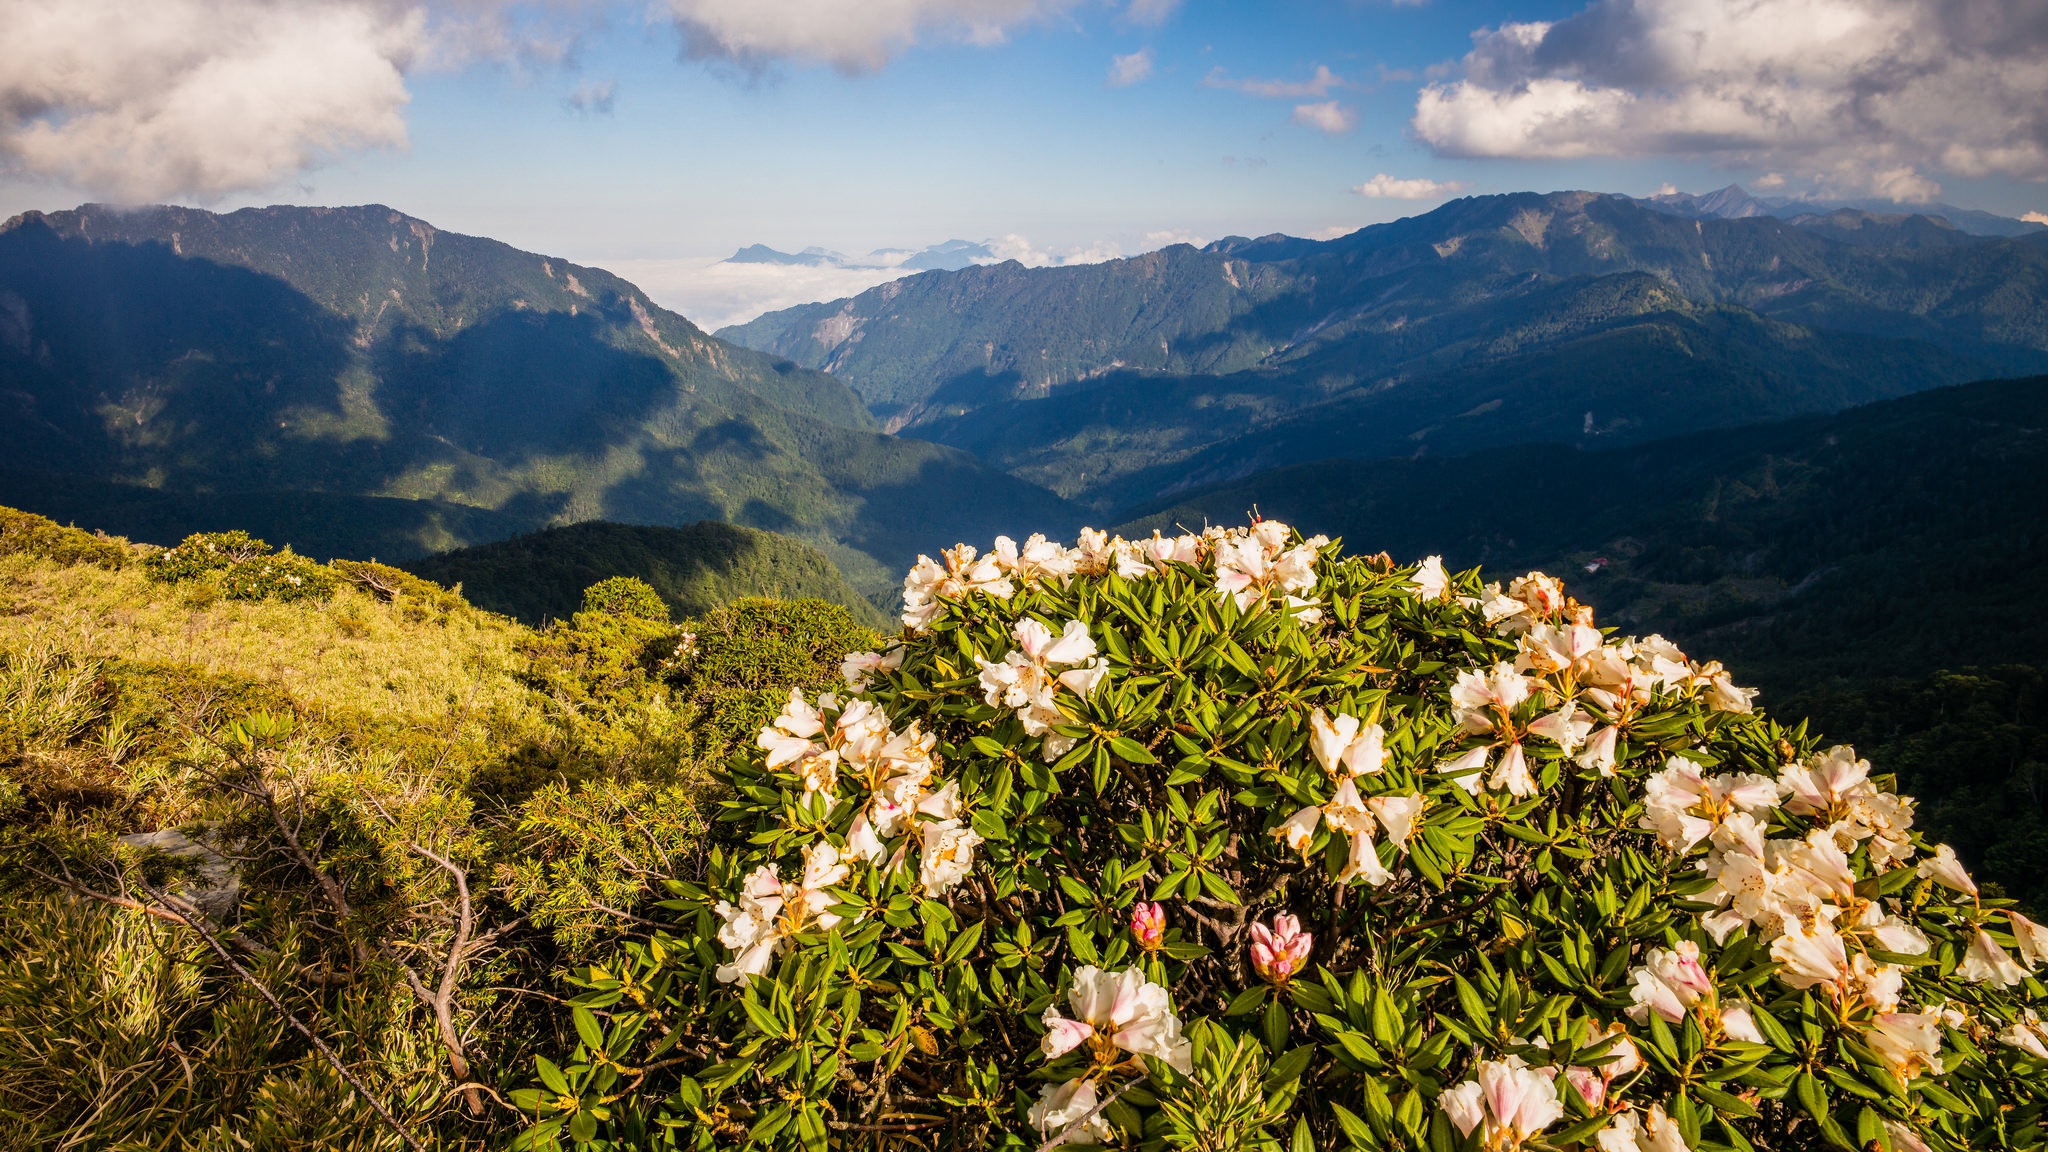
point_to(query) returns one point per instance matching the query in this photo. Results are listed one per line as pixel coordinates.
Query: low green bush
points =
(280, 576)
(27, 534)
(625, 596)
(201, 553)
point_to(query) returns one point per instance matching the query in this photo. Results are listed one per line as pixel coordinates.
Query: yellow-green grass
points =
(403, 660)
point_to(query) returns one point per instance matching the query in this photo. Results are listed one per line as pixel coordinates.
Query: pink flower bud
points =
(1148, 924)
(1280, 951)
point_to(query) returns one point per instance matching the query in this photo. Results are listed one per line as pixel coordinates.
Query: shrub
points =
(625, 596)
(201, 553)
(736, 664)
(26, 534)
(283, 576)
(1232, 842)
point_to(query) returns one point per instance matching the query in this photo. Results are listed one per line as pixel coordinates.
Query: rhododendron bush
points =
(1230, 841)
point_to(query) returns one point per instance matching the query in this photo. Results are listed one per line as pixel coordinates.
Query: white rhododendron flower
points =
(1987, 963)
(1655, 1132)
(1065, 1114)
(1944, 869)
(1117, 1011)
(1430, 580)
(2029, 1034)
(1482, 701)
(1342, 745)
(1909, 1043)
(860, 668)
(1669, 984)
(770, 911)
(1356, 817)
(1509, 1103)
(2032, 938)
(948, 855)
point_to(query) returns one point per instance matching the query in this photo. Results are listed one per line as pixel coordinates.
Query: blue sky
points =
(692, 140)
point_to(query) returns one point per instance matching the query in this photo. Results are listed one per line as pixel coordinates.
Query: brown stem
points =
(291, 1018)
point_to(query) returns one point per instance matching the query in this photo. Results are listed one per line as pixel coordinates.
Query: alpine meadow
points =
(1015, 575)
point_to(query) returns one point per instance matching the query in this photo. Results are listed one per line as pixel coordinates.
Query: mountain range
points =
(1735, 202)
(435, 389)
(1576, 317)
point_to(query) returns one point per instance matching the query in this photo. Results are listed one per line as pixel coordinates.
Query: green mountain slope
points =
(542, 576)
(359, 352)
(1573, 316)
(1885, 540)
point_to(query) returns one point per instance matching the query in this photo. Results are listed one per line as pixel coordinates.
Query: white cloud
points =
(1015, 247)
(1385, 187)
(2036, 218)
(1329, 116)
(1318, 84)
(1768, 181)
(143, 99)
(1125, 70)
(1866, 94)
(852, 35)
(1166, 236)
(713, 293)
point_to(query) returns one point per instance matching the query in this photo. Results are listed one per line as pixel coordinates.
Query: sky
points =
(655, 138)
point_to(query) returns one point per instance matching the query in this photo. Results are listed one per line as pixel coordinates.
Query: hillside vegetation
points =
(395, 812)
(249, 358)
(1573, 316)
(542, 576)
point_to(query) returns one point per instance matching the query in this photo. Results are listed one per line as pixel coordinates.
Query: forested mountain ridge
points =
(357, 352)
(1491, 320)
(1884, 540)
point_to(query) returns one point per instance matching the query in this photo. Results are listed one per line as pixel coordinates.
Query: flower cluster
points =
(1568, 685)
(1251, 565)
(1029, 676)
(848, 742)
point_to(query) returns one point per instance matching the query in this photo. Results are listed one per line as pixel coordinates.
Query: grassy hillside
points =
(542, 576)
(1895, 538)
(322, 782)
(361, 353)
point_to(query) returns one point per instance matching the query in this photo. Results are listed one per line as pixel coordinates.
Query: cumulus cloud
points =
(2036, 218)
(1862, 93)
(1318, 84)
(1126, 70)
(851, 35)
(1385, 187)
(143, 99)
(1328, 116)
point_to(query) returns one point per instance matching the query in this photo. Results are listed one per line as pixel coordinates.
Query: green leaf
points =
(551, 1075)
(586, 1027)
(1131, 751)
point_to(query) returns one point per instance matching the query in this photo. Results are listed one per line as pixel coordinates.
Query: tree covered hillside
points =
(359, 352)
(1904, 535)
(542, 576)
